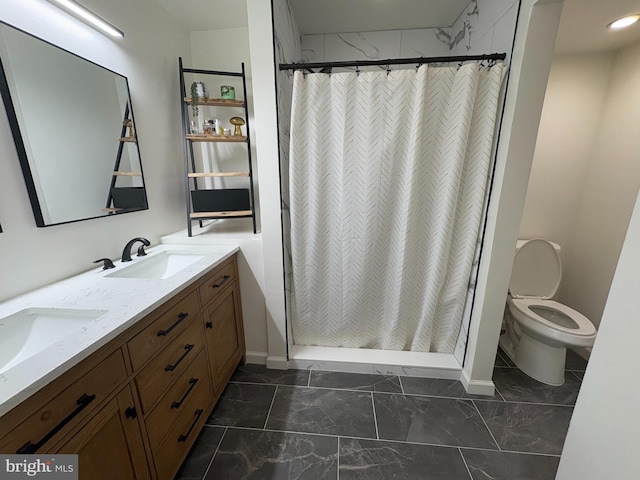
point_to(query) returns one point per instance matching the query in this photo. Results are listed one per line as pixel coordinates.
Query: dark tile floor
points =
(281, 425)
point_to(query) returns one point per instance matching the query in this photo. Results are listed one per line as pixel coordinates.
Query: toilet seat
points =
(583, 335)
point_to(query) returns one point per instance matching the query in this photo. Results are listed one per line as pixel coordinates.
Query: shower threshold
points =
(384, 362)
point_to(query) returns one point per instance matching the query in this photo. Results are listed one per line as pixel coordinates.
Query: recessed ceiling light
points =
(624, 22)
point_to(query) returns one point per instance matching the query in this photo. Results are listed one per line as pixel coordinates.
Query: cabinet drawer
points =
(154, 380)
(163, 330)
(59, 414)
(194, 382)
(180, 437)
(222, 277)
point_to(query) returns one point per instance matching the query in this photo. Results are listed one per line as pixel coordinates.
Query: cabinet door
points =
(109, 446)
(224, 336)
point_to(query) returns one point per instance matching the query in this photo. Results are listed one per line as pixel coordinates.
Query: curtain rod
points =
(396, 61)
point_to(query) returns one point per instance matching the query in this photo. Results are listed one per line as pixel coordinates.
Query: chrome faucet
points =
(126, 253)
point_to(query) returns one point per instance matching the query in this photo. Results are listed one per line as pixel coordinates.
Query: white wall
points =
(31, 257)
(604, 433)
(569, 124)
(611, 184)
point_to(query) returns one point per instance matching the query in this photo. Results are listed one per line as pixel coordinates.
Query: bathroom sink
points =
(30, 331)
(158, 267)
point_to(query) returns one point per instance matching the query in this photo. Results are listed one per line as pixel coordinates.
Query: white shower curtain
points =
(387, 176)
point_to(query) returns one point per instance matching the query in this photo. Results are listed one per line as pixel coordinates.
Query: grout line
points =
(422, 395)
(401, 385)
(338, 469)
(214, 453)
(486, 426)
(270, 407)
(464, 460)
(375, 417)
(391, 441)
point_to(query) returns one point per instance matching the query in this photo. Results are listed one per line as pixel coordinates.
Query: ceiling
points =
(582, 26)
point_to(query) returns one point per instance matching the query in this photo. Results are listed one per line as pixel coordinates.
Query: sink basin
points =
(30, 331)
(158, 267)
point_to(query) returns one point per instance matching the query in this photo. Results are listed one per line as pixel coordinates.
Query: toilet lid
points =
(537, 270)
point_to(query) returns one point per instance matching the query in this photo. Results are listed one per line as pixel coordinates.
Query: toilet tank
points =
(530, 278)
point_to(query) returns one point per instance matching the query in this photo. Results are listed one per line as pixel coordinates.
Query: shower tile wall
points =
(485, 26)
(287, 50)
(338, 47)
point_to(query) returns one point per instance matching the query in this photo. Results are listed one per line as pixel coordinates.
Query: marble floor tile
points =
(517, 386)
(200, 455)
(500, 362)
(243, 405)
(317, 410)
(578, 375)
(574, 361)
(431, 420)
(261, 455)
(261, 374)
(487, 465)
(355, 381)
(505, 358)
(380, 460)
(522, 427)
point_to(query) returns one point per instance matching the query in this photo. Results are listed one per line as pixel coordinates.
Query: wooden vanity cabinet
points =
(133, 409)
(110, 444)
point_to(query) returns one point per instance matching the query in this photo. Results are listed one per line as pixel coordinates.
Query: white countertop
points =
(124, 300)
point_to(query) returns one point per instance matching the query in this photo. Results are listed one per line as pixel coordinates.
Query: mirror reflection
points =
(74, 131)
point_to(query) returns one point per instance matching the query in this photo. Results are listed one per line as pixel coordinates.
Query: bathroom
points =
(148, 57)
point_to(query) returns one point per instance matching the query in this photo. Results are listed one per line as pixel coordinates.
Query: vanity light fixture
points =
(87, 17)
(624, 22)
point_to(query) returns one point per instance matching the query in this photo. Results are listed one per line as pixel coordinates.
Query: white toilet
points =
(538, 329)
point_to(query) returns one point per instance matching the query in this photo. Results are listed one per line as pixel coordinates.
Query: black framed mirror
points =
(74, 130)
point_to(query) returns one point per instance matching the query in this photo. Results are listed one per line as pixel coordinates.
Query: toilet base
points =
(540, 361)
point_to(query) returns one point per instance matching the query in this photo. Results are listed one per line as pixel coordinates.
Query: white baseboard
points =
(477, 387)
(256, 358)
(277, 363)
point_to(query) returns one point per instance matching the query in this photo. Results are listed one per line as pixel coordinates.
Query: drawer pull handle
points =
(209, 324)
(82, 402)
(181, 317)
(192, 383)
(224, 280)
(197, 413)
(187, 348)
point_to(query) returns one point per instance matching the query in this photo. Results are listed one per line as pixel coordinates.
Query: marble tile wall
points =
(485, 26)
(336, 47)
(288, 49)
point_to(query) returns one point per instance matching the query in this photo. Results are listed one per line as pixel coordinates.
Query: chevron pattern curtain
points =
(387, 178)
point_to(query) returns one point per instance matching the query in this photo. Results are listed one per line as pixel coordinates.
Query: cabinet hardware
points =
(181, 317)
(82, 403)
(187, 348)
(209, 324)
(192, 383)
(131, 413)
(224, 279)
(197, 413)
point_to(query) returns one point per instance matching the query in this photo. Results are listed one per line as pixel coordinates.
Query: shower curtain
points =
(388, 172)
